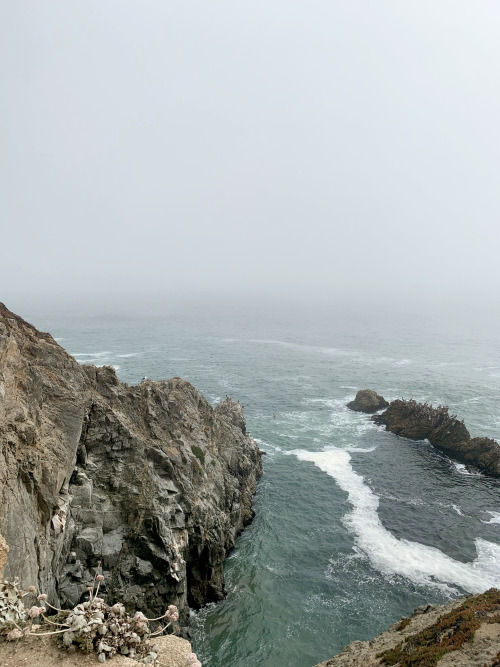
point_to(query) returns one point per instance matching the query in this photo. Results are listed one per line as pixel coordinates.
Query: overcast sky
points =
(266, 146)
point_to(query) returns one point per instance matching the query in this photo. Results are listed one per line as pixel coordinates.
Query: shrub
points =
(199, 453)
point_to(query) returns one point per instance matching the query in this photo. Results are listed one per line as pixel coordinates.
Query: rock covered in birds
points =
(149, 479)
(368, 401)
(420, 421)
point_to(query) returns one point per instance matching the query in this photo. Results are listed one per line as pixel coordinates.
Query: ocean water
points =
(354, 526)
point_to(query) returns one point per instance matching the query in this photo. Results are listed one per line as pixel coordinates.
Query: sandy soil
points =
(44, 652)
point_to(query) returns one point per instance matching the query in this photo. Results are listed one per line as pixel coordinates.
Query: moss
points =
(449, 633)
(198, 452)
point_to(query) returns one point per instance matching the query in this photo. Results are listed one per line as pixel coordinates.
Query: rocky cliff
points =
(420, 421)
(148, 479)
(463, 633)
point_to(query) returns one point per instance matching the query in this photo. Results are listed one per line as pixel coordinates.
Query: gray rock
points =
(117, 463)
(367, 400)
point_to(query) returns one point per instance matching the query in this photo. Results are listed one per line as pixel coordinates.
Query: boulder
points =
(367, 400)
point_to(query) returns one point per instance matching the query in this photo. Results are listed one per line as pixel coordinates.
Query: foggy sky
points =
(331, 147)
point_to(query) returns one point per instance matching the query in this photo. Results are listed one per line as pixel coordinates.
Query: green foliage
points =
(199, 453)
(402, 624)
(449, 633)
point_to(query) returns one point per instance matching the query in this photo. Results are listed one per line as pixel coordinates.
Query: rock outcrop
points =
(420, 421)
(463, 633)
(150, 480)
(367, 400)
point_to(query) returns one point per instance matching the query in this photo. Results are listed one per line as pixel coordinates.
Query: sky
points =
(323, 148)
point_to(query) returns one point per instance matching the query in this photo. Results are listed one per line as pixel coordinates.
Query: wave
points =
(130, 354)
(464, 470)
(334, 351)
(94, 355)
(424, 565)
(495, 517)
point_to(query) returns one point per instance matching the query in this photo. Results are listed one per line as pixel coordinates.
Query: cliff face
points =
(419, 421)
(150, 480)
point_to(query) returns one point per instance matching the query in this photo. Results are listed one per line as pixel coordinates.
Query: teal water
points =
(354, 527)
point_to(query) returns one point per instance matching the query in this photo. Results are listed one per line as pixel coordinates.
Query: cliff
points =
(463, 633)
(420, 421)
(148, 479)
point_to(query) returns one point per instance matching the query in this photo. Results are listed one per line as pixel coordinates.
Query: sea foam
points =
(422, 564)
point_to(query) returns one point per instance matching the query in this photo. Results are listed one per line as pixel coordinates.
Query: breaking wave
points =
(421, 564)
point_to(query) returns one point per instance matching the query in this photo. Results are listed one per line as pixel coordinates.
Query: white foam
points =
(332, 351)
(463, 470)
(422, 564)
(94, 355)
(495, 517)
(58, 340)
(458, 510)
(130, 354)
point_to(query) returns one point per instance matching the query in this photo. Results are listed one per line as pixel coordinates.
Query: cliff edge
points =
(463, 633)
(150, 480)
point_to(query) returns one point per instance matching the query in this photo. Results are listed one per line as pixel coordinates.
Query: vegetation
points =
(199, 453)
(449, 633)
(92, 625)
(402, 624)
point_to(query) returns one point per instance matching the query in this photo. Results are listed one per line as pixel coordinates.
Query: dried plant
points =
(92, 625)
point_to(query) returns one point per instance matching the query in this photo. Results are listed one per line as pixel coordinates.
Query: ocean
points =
(354, 527)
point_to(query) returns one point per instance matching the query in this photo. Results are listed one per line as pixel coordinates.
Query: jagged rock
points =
(149, 479)
(420, 421)
(367, 400)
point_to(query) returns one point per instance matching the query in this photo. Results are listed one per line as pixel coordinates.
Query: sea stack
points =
(420, 421)
(368, 401)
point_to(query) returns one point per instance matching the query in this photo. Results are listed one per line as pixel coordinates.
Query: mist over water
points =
(354, 527)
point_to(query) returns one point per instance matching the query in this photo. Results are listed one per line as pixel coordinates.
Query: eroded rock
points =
(420, 421)
(368, 401)
(150, 480)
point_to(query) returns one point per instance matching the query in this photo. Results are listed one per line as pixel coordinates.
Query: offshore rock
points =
(463, 633)
(420, 421)
(367, 400)
(149, 480)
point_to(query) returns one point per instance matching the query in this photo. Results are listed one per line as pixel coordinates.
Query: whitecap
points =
(116, 367)
(58, 340)
(495, 517)
(464, 470)
(420, 563)
(130, 354)
(332, 351)
(93, 355)
(458, 510)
